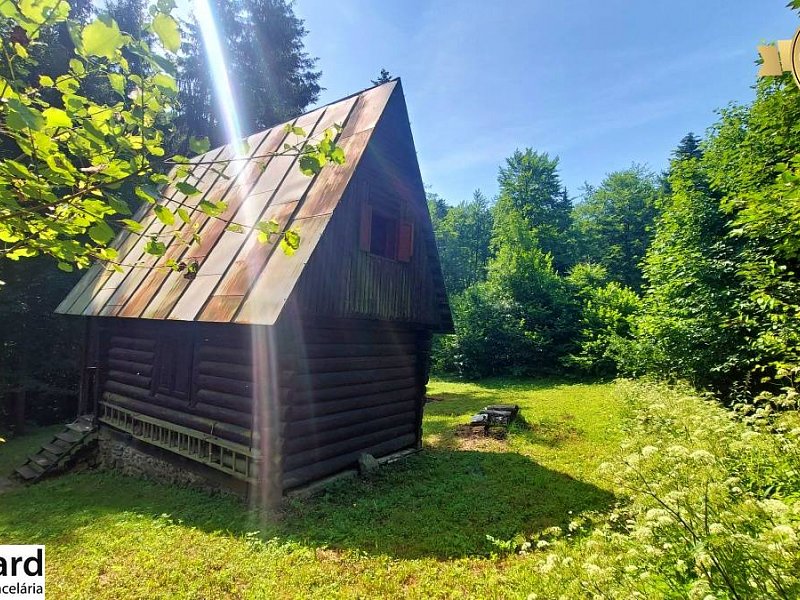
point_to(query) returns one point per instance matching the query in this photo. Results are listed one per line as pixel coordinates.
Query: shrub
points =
(607, 316)
(490, 338)
(709, 510)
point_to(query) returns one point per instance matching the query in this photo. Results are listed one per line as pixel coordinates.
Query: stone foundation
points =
(119, 452)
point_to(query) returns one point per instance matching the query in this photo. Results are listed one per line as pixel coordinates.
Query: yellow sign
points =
(781, 57)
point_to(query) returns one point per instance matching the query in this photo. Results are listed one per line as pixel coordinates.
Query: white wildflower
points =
(548, 564)
(749, 435)
(648, 451)
(785, 531)
(703, 457)
(716, 528)
(592, 569)
(773, 506)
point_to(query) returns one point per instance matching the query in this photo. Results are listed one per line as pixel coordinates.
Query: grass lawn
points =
(418, 529)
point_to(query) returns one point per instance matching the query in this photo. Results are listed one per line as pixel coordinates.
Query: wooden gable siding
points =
(218, 400)
(356, 386)
(342, 279)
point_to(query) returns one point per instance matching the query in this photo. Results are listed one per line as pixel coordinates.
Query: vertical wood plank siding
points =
(342, 278)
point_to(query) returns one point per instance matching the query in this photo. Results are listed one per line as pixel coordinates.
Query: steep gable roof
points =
(238, 278)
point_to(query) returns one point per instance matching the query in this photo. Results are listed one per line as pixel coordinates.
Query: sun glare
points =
(226, 103)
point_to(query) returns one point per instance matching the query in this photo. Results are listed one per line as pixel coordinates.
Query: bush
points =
(710, 510)
(490, 338)
(607, 316)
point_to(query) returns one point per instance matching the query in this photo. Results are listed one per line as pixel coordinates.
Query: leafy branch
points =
(75, 157)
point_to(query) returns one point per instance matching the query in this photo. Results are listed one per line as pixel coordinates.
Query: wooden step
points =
(27, 472)
(80, 427)
(56, 448)
(38, 468)
(41, 461)
(70, 437)
(51, 456)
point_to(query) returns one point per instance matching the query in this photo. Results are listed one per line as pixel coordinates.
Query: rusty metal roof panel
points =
(238, 279)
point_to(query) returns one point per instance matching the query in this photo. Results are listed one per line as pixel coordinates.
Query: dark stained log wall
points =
(356, 386)
(211, 389)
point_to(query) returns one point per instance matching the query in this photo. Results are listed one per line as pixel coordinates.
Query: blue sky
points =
(600, 84)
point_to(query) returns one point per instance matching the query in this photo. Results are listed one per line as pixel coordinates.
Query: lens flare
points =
(262, 339)
(215, 55)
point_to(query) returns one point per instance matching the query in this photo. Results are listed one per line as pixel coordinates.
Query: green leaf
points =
(187, 188)
(46, 81)
(290, 242)
(167, 31)
(147, 193)
(132, 225)
(67, 84)
(7, 236)
(102, 37)
(164, 214)
(235, 228)
(166, 82)
(20, 50)
(337, 155)
(108, 253)
(65, 267)
(155, 247)
(212, 209)
(76, 66)
(184, 215)
(117, 82)
(120, 206)
(101, 233)
(9, 10)
(55, 117)
(21, 117)
(268, 227)
(309, 164)
(298, 131)
(199, 145)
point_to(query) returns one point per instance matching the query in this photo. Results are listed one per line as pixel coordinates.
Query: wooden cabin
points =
(263, 368)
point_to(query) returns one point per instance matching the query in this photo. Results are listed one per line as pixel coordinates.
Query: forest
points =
(647, 326)
(686, 274)
(689, 274)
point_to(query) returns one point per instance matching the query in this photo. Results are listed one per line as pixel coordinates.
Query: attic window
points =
(382, 235)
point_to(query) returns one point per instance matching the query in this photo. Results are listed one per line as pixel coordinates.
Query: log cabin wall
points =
(357, 386)
(194, 375)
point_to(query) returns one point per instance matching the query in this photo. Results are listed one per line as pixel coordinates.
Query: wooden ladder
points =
(55, 455)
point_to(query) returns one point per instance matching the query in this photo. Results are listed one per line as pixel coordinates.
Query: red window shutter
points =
(366, 227)
(405, 241)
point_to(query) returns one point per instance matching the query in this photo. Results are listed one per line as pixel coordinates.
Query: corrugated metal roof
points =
(238, 279)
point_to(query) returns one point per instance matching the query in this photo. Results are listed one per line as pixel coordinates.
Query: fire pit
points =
(495, 415)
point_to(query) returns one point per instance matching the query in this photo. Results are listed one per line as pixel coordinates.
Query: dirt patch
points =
(479, 433)
(433, 399)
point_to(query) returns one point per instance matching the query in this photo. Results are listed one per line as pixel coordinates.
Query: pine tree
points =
(530, 188)
(689, 147)
(384, 77)
(273, 77)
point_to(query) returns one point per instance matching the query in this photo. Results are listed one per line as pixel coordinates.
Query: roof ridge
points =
(343, 98)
